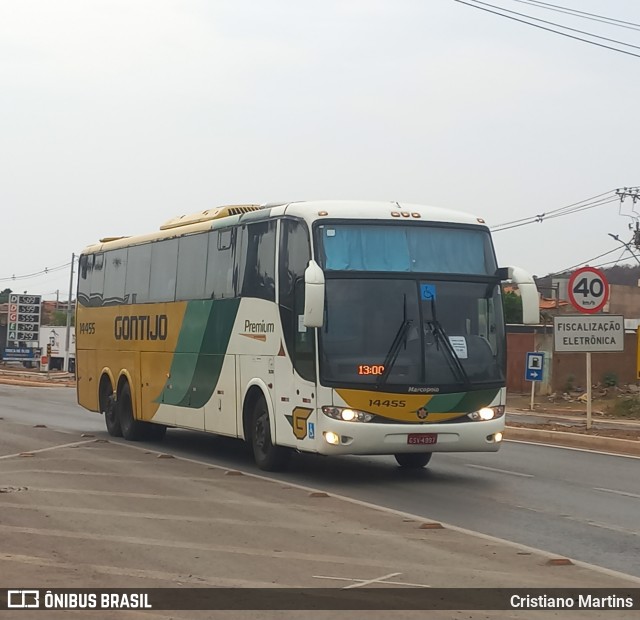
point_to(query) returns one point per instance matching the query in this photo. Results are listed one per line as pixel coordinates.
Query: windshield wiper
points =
(451, 356)
(394, 350)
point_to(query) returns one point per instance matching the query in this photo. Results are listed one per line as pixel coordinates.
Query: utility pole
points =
(634, 194)
(69, 311)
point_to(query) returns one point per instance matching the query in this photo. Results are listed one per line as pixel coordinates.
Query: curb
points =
(574, 440)
(29, 383)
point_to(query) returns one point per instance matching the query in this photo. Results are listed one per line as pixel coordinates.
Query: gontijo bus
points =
(326, 327)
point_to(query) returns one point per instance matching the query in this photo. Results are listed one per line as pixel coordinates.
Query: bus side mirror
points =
(528, 293)
(313, 295)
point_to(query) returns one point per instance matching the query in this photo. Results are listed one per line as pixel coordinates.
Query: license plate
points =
(422, 439)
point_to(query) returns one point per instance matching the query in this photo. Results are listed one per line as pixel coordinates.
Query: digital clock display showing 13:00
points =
(370, 369)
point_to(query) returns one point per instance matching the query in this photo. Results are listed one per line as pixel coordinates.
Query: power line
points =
(544, 21)
(543, 215)
(45, 271)
(584, 262)
(564, 34)
(611, 21)
(561, 212)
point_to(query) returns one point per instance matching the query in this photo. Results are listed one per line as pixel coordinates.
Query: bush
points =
(627, 407)
(610, 379)
(569, 385)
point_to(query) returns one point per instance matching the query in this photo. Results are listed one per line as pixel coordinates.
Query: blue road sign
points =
(534, 367)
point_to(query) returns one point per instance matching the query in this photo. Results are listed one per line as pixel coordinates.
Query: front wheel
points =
(267, 456)
(413, 460)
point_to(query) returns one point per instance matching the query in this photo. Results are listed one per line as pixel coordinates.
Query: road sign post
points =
(534, 369)
(588, 293)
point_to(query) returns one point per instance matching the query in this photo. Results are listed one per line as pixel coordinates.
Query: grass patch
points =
(625, 407)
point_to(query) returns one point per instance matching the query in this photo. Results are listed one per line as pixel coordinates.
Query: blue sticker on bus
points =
(427, 291)
(312, 430)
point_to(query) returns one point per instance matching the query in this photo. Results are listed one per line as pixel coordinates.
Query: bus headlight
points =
(487, 413)
(347, 414)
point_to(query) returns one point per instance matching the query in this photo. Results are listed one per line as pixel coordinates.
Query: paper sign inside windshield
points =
(459, 344)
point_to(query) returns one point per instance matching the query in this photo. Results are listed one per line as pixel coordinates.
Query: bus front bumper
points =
(339, 437)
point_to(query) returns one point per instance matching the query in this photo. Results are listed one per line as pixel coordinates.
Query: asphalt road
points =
(577, 504)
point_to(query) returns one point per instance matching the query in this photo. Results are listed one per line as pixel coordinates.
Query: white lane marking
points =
(589, 450)
(391, 583)
(500, 471)
(361, 583)
(625, 493)
(66, 445)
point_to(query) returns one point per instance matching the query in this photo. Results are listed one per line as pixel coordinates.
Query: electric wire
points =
(564, 34)
(43, 272)
(561, 212)
(580, 202)
(544, 21)
(611, 21)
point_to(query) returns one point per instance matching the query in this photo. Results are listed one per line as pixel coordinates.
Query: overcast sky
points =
(118, 115)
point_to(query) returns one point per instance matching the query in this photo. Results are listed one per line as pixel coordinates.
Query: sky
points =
(118, 115)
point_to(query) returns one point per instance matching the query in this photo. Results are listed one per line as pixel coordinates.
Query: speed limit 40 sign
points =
(588, 290)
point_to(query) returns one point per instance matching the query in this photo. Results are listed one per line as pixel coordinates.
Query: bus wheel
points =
(109, 409)
(413, 460)
(267, 456)
(132, 429)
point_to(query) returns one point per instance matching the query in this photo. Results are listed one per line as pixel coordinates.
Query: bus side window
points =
(192, 266)
(304, 337)
(136, 287)
(258, 266)
(164, 266)
(220, 262)
(114, 276)
(295, 253)
(97, 281)
(84, 278)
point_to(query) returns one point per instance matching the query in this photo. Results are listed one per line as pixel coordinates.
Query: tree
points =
(512, 305)
(4, 295)
(59, 318)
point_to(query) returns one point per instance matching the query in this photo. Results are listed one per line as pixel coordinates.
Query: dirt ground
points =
(570, 416)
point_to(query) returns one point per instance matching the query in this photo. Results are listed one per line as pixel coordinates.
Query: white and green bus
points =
(327, 327)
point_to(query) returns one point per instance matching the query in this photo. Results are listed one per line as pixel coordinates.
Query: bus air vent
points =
(209, 214)
(107, 239)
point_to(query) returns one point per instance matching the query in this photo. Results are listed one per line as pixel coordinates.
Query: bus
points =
(336, 328)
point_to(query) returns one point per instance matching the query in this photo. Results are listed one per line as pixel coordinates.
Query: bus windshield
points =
(437, 334)
(408, 248)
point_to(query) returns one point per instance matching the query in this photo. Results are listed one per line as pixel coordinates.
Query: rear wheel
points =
(132, 429)
(267, 456)
(108, 409)
(413, 460)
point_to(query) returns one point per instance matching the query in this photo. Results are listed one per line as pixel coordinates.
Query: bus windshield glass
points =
(406, 248)
(403, 332)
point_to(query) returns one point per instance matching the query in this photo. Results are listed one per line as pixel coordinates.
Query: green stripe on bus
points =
(477, 399)
(202, 345)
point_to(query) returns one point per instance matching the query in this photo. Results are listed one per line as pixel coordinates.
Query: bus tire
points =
(267, 456)
(132, 429)
(109, 409)
(413, 460)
